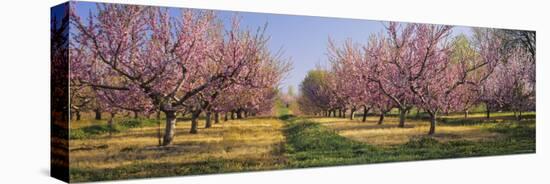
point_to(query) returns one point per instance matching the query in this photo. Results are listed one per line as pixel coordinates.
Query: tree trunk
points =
(365, 112)
(232, 114)
(433, 121)
(225, 116)
(111, 124)
(194, 122)
(239, 114)
(216, 117)
(344, 113)
(488, 110)
(159, 135)
(402, 115)
(352, 114)
(170, 129)
(78, 115)
(208, 119)
(340, 113)
(466, 113)
(97, 114)
(382, 115)
(135, 114)
(417, 112)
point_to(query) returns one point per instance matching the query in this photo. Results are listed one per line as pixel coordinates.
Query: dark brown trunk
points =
(381, 120)
(433, 121)
(239, 114)
(159, 134)
(232, 115)
(488, 110)
(340, 113)
(365, 112)
(344, 113)
(170, 129)
(402, 115)
(208, 119)
(135, 114)
(194, 122)
(466, 114)
(225, 116)
(78, 115)
(97, 114)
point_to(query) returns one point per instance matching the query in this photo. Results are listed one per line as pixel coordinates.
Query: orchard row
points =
(427, 67)
(145, 60)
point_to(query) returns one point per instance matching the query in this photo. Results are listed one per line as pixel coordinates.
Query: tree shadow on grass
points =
(146, 170)
(286, 117)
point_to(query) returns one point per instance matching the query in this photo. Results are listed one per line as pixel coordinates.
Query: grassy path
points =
(309, 144)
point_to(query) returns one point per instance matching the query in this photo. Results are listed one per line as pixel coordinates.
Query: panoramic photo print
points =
(145, 91)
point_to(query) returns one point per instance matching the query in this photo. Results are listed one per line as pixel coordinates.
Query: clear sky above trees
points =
(303, 39)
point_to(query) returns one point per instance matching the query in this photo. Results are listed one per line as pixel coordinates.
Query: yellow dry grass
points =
(256, 138)
(389, 133)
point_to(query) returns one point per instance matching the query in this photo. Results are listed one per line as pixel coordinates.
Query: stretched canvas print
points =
(144, 91)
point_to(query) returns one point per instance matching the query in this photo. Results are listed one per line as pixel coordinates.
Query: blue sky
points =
(303, 39)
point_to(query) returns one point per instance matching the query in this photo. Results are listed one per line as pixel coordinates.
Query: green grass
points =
(147, 170)
(102, 129)
(310, 144)
(252, 144)
(301, 142)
